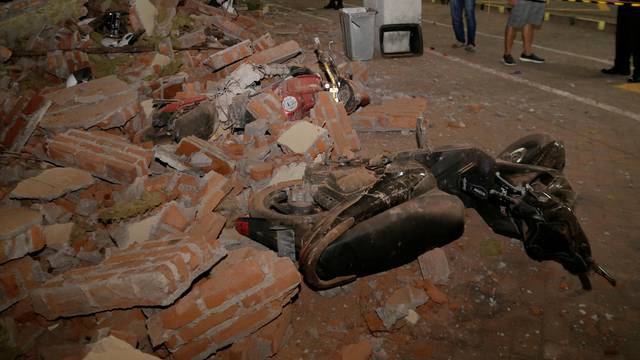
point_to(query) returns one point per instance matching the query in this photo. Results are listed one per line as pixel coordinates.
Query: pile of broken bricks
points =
(108, 238)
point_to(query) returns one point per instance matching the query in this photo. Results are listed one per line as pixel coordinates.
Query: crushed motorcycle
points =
(349, 219)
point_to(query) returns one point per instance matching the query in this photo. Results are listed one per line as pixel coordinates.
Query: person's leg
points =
(635, 44)
(470, 15)
(624, 24)
(339, 5)
(509, 37)
(527, 39)
(456, 20)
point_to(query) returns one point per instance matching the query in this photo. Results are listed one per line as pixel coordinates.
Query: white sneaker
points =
(457, 45)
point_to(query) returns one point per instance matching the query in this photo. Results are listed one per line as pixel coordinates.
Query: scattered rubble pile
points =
(121, 167)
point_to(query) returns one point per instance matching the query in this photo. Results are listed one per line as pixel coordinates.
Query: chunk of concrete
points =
(434, 266)
(301, 136)
(293, 171)
(57, 234)
(52, 184)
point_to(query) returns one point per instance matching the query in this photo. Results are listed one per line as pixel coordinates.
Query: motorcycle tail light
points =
(242, 226)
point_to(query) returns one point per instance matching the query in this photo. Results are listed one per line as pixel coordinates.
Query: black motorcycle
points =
(361, 217)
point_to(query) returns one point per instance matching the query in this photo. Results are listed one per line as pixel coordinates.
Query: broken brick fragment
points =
(334, 116)
(191, 39)
(148, 274)
(229, 55)
(20, 232)
(218, 312)
(276, 54)
(266, 106)
(17, 278)
(106, 102)
(215, 188)
(395, 114)
(218, 161)
(5, 53)
(261, 171)
(52, 183)
(264, 42)
(265, 342)
(17, 125)
(104, 155)
(64, 63)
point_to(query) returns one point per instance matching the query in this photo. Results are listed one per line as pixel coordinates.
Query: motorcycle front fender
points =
(392, 238)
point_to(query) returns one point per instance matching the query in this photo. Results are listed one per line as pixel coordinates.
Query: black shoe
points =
(334, 5)
(508, 60)
(331, 5)
(616, 71)
(635, 78)
(531, 58)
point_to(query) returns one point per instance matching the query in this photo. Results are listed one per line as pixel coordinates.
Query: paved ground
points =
(501, 304)
(594, 11)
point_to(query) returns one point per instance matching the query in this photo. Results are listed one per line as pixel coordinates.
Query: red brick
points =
(335, 118)
(225, 318)
(181, 314)
(229, 55)
(210, 225)
(264, 42)
(244, 276)
(191, 39)
(220, 163)
(203, 325)
(261, 171)
(20, 122)
(215, 189)
(147, 278)
(395, 114)
(17, 278)
(248, 323)
(104, 155)
(276, 54)
(107, 102)
(173, 216)
(193, 350)
(285, 278)
(266, 106)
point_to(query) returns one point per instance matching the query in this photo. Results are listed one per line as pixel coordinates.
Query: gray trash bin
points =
(358, 25)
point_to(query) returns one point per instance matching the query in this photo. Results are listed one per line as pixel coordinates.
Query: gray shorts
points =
(526, 12)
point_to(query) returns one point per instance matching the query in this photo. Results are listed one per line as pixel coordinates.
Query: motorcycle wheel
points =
(535, 149)
(273, 203)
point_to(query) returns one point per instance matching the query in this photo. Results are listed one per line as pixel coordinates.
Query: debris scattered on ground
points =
(398, 305)
(161, 119)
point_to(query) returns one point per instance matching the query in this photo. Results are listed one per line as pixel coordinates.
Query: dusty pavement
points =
(500, 303)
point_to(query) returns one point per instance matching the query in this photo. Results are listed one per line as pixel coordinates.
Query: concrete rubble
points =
(124, 182)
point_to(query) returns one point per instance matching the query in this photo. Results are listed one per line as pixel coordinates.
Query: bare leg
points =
(527, 39)
(509, 37)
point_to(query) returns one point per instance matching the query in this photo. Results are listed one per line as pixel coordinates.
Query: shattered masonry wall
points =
(243, 293)
(151, 274)
(104, 155)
